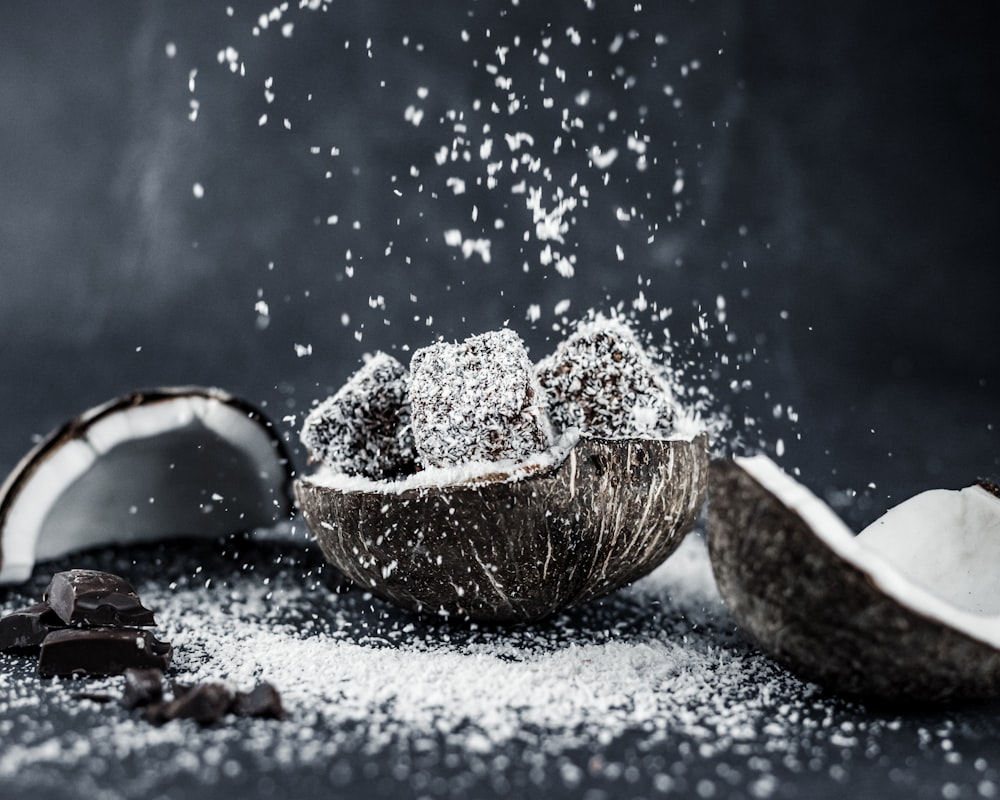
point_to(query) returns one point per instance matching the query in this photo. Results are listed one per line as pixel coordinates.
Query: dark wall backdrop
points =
(839, 192)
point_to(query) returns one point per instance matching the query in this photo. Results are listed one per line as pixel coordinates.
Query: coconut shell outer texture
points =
(824, 618)
(519, 550)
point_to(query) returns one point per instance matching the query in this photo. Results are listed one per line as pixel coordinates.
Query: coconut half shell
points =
(516, 549)
(908, 610)
(172, 462)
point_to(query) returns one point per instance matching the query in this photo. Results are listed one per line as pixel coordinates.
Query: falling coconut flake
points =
(603, 159)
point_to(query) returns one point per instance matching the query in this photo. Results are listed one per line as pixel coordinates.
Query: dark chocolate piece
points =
(89, 597)
(177, 688)
(142, 687)
(100, 651)
(261, 701)
(27, 627)
(205, 703)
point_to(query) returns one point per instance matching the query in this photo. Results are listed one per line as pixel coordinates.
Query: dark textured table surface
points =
(828, 171)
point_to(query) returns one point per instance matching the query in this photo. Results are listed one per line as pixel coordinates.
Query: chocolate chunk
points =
(261, 701)
(205, 703)
(178, 688)
(94, 697)
(89, 597)
(142, 687)
(27, 627)
(100, 651)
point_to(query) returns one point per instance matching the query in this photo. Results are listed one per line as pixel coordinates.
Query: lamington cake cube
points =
(478, 400)
(602, 381)
(364, 429)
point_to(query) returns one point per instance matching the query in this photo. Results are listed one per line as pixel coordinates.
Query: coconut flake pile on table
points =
(647, 687)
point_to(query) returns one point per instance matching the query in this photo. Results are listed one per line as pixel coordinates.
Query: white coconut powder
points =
(652, 684)
(470, 472)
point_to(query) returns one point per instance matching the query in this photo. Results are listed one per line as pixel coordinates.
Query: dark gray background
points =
(854, 145)
(844, 152)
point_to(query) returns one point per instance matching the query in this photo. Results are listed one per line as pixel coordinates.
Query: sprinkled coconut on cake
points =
(602, 381)
(477, 400)
(364, 429)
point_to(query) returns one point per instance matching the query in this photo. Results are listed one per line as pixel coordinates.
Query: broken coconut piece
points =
(152, 465)
(519, 543)
(907, 610)
(364, 429)
(947, 541)
(477, 400)
(602, 381)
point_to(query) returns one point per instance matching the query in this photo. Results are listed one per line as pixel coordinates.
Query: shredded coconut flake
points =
(649, 688)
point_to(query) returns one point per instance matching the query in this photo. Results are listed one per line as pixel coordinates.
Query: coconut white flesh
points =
(191, 464)
(948, 541)
(955, 523)
(475, 471)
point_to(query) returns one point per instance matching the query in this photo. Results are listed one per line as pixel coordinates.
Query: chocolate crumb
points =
(261, 701)
(205, 703)
(142, 687)
(94, 697)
